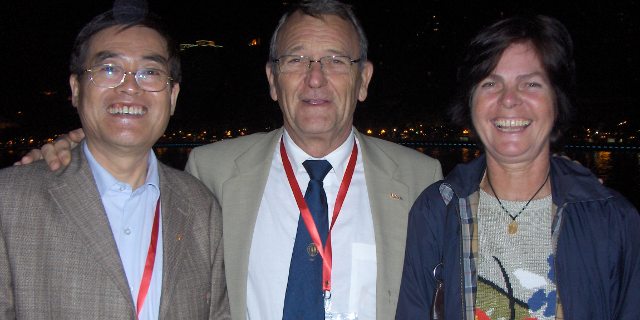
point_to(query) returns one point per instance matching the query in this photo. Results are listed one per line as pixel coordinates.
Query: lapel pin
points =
(312, 251)
(395, 196)
(179, 236)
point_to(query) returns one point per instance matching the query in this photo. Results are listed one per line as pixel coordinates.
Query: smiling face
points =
(513, 108)
(126, 117)
(318, 107)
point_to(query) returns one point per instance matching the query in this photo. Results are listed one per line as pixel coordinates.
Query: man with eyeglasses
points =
(317, 71)
(115, 234)
(337, 252)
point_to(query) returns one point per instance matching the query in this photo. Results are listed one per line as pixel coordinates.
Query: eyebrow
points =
(332, 52)
(519, 77)
(531, 75)
(103, 55)
(157, 58)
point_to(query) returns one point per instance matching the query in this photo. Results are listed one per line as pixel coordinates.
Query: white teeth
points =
(131, 110)
(511, 123)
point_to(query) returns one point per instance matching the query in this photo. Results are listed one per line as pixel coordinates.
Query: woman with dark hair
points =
(517, 233)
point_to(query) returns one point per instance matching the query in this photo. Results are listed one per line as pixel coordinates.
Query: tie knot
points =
(317, 169)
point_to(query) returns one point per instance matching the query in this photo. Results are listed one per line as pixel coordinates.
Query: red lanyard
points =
(148, 265)
(306, 214)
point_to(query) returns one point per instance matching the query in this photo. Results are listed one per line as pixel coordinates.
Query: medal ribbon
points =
(150, 261)
(325, 251)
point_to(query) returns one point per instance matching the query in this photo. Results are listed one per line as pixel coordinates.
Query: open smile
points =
(511, 125)
(315, 102)
(123, 109)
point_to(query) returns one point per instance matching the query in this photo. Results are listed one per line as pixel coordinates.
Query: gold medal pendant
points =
(513, 227)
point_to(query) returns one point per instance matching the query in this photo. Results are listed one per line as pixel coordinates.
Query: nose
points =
(510, 97)
(129, 84)
(315, 77)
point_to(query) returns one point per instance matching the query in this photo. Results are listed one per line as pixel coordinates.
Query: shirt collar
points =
(337, 158)
(105, 181)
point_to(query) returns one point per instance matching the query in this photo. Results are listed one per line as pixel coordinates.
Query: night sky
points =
(414, 46)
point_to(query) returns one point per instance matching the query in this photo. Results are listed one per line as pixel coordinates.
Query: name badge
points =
(328, 315)
(341, 316)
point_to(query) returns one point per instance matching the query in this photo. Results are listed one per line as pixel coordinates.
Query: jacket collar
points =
(570, 182)
(465, 178)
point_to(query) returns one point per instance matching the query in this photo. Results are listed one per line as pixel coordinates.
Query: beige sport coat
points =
(236, 171)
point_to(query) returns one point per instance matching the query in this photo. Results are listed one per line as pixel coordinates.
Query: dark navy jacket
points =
(597, 257)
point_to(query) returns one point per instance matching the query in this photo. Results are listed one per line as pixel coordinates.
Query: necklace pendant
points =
(513, 227)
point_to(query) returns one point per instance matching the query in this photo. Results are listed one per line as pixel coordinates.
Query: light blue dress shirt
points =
(130, 213)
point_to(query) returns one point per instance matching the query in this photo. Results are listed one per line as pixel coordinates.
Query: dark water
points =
(618, 169)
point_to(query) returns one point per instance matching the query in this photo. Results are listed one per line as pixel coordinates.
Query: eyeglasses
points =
(112, 76)
(328, 64)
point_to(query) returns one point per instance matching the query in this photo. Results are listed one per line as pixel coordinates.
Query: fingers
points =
(30, 157)
(50, 156)
(75, 136)
(58, 154)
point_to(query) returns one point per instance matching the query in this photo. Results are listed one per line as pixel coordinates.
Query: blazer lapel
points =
(390, 202)
(240, 200)
(78, 200)
(175, 220)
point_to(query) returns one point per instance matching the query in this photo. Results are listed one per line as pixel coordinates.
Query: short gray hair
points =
(316, 9)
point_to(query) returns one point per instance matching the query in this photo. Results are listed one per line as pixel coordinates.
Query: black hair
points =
(113, 18)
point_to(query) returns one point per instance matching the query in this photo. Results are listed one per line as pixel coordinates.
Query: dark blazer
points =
(58, 258)
(236, 171)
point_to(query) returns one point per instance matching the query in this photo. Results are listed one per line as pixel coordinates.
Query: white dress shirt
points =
(354, 253)
(130, 213)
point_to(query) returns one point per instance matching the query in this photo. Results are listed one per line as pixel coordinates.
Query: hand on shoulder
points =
(56, 154)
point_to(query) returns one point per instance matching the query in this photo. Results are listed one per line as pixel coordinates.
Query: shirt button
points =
(127, 231)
